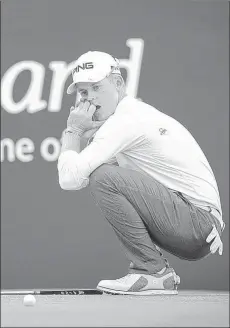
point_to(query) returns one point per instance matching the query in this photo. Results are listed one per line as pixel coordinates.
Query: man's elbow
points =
(68, 183)
(65, 185)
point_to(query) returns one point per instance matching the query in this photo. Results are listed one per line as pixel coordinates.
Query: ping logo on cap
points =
(84, 66)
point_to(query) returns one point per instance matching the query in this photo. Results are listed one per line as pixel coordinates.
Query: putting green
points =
(187, 309)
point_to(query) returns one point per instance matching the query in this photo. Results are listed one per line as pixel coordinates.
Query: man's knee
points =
(101, 174)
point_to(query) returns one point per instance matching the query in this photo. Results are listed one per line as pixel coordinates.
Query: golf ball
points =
(29, 300)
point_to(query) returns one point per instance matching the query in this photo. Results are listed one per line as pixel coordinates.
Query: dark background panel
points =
(53, 238)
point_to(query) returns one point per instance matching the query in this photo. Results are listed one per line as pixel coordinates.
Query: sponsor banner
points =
(32, 101)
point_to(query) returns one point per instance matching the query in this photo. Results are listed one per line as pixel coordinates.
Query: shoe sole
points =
(140, 293)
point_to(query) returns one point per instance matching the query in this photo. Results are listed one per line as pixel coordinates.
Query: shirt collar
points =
(124, 103)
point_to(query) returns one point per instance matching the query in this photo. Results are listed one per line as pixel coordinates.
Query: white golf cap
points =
(93, 66)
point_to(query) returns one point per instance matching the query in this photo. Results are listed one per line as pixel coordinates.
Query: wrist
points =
(74, 131)
(71, 140)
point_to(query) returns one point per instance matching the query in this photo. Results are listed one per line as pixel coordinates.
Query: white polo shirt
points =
(140, 137)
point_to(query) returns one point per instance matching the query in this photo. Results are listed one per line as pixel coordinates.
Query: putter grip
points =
(69, 292)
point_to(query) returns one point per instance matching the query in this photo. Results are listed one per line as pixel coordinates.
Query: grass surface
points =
(187, 309)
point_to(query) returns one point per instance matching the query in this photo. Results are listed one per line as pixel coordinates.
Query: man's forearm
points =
(71, 141)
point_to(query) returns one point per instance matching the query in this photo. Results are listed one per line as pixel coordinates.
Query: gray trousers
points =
(146, 217)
